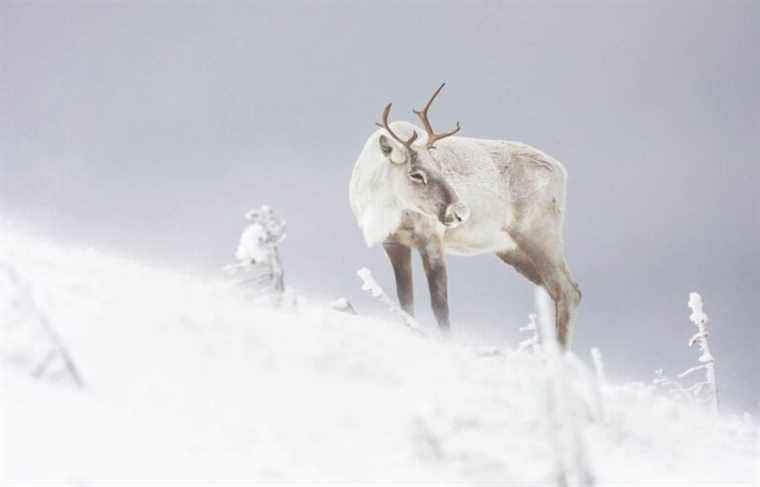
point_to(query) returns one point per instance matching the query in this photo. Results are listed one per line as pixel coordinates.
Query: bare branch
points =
(370, 285)
(689, 371)
(56, 342)
(706, 359)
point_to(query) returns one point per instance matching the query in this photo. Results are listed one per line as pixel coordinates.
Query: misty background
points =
(149, 129)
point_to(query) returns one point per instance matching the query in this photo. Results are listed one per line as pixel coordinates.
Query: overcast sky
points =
(149, 129)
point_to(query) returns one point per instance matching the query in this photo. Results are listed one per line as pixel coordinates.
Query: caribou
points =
(441, 193)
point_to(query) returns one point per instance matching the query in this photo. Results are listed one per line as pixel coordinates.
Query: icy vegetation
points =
(370, 285)
(704, 392)
(187, 382)
(259, 267)
(706, 359)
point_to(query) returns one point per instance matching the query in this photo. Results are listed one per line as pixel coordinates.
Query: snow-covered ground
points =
(187, 383)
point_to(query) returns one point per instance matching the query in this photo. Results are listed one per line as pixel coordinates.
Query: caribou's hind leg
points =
(544, 252)
(401, 260)
(522, 264)
(434, 262)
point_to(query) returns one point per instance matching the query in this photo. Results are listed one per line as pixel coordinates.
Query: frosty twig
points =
(57, 348)
(533, 342)
(370, 285)
(706, 358)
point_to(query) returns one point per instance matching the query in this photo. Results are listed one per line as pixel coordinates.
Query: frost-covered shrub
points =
(706, 390)
(370, 285)
(28, 339)
(671, 386)
(259, 266)
(701, 392)
(533, 342)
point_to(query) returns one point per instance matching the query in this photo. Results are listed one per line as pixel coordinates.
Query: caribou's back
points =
(501, 182)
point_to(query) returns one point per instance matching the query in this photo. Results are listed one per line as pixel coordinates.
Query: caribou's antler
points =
(406, 143)
(423, 115)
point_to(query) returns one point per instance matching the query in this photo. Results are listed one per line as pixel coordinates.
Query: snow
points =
(251, 247)
(187, 382)
(260, 237)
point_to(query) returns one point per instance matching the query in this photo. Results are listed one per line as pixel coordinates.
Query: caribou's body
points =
(445, 194)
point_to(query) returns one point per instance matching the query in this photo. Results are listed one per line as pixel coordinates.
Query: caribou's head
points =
(416, 180)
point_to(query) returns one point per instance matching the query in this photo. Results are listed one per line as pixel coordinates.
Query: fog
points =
(149, 129)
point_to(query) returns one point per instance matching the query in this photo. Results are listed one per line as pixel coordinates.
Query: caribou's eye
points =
(418, 177)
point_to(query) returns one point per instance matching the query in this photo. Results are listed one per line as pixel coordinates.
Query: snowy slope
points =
(187, 382)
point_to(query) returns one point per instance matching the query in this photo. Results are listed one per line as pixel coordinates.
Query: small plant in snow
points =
(259, 264)
(706, 390)
(29, 337)
(596, 357)
(533, 342)
(572, 465)
(674, 388)
(370, 285)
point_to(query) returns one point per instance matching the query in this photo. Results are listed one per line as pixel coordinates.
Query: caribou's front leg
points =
(434, 262)
(401, 260)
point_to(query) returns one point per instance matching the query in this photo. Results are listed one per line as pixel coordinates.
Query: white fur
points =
(480, 171)
(375, 206)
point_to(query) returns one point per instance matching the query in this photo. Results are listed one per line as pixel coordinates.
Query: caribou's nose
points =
(456, 214)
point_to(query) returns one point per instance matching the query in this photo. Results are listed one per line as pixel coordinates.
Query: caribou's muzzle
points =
(456, 214)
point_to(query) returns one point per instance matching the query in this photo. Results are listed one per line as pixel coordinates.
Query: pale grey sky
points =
(150, 128)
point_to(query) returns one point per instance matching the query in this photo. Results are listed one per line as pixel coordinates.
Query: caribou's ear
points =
(385, 145)
(391, 149)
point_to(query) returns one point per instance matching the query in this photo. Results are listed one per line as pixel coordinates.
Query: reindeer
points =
(446, 194)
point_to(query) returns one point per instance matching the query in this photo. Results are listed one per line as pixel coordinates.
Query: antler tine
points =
(423, 116)
(386, 113)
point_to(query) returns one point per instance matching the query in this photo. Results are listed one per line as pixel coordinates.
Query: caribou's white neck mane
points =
(376, 207)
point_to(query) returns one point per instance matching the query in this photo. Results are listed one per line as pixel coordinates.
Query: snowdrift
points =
(186, 382)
